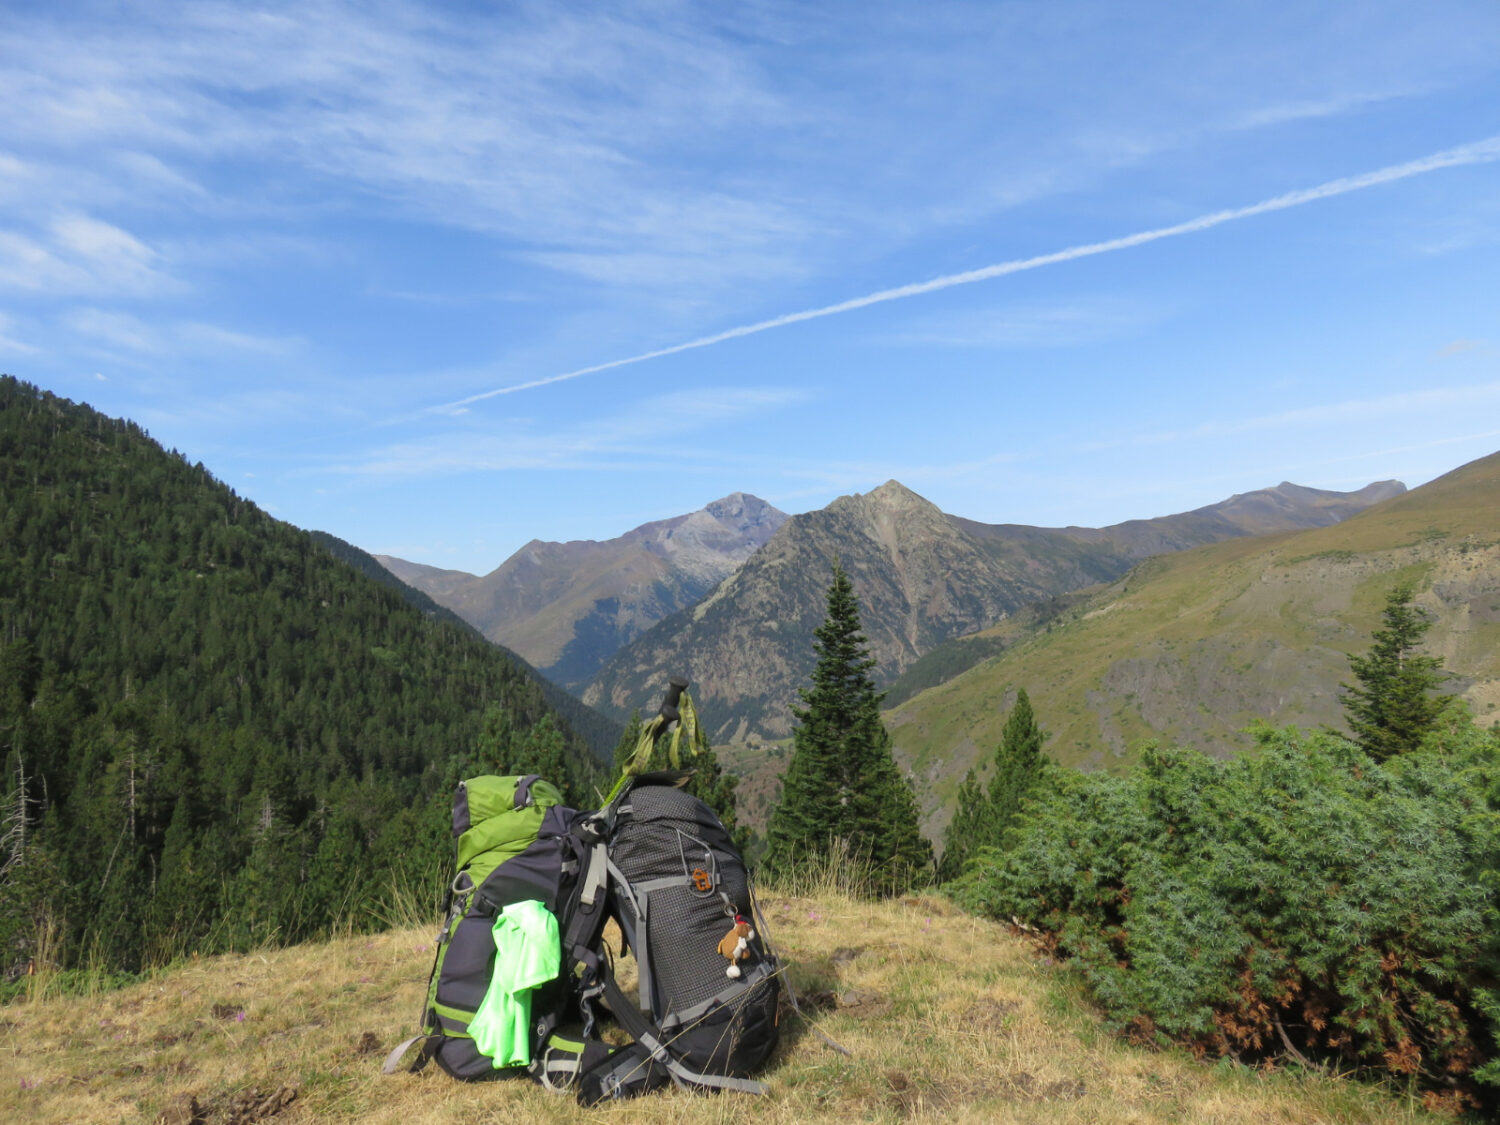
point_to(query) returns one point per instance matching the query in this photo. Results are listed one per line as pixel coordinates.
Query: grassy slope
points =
(945, 1015)
(1193, 647)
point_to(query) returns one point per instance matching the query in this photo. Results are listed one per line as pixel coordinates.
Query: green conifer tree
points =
(1393, 706)
(542, 752)
(495, 746)
(1018, 761)
(965, 829)
(540, 749)
(842, 793)
(982, 816)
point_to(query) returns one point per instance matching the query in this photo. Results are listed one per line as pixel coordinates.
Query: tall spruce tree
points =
(541, 749)
(1017, 763)
(842, 793)
(981, 818)
(1394, 705)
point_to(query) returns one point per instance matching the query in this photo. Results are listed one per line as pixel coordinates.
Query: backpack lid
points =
(491, 812)
(480, 798)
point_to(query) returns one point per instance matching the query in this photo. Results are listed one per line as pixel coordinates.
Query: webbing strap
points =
(523, 790)
(663, 883)
(563, 1060)
(643, 951)
(759, 972)
(717, 1081)
(588, 917)
(597, 875)
(556, 1061)
(623, 883)
(648, 1035)
(429, 1048)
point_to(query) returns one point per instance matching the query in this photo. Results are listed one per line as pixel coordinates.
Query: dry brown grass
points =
(946, 1017)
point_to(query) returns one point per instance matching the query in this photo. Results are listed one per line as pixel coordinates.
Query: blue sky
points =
(422, 275)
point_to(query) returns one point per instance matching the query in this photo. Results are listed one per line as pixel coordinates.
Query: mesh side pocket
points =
(685, 930)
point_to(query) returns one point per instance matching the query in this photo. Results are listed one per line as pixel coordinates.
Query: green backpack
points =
(511, 835)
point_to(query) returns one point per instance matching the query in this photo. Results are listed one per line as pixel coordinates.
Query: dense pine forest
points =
(599, 732)
(214, 731)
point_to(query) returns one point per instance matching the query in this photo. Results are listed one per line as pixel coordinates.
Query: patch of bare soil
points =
(241, 1107)
(911, 1097)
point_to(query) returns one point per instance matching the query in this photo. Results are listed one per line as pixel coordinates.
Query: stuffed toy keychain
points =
(736, 945)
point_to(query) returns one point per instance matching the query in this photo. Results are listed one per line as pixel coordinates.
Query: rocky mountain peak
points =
(742, 510)
(710, 543)
(922, 577)
(892, 500)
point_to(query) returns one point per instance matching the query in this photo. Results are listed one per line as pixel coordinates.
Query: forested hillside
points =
(600, 733)
(213, 730)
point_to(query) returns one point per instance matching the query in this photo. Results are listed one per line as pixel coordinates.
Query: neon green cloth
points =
(528, 953)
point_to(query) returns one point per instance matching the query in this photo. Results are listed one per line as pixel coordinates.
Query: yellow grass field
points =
(945, 1017)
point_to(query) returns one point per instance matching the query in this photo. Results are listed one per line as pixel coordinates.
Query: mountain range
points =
(567, 607)
(922, 576)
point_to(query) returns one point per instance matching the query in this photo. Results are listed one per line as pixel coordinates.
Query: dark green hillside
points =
(214, 732)
(601, 734)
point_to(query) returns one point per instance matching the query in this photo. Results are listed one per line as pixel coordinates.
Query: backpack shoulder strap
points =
(586, 911)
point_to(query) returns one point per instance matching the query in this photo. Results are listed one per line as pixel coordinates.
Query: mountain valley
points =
(567, 607)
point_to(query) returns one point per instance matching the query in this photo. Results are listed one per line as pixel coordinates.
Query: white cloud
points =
(1335, 105)
(1458, 347)
(1478, 152)
(117, 329)
(552, 128)
(8, 341)
(192, 336)
(122, 330)
(646, 145)
(78, 254)
(628, 440)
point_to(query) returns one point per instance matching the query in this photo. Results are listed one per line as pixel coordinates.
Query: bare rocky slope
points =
(566, 607)
(922, 576)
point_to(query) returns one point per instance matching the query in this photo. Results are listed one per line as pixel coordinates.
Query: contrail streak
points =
(1479, 152)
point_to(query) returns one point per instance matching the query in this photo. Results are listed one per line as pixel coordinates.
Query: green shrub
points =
(1306, 901)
